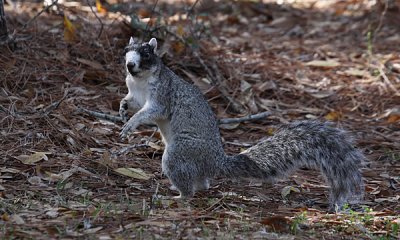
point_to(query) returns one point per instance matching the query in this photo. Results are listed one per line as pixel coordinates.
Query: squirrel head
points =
(141, 59)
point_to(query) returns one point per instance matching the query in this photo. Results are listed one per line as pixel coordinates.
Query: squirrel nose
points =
(131, 65)
(131, 68)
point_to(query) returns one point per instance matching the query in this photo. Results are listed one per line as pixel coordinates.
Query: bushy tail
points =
(304, 144)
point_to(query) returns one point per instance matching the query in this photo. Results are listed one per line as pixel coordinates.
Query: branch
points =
(104, 116)
(128, 148)
(116, 119)
(55, 104)
(39, 13)
(101, 23)
(191, 9)
(252, 117)
(151, 16)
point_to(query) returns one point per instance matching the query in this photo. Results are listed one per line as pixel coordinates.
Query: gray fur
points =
(193, 149)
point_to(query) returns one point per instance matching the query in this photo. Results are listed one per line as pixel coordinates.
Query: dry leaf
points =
(92, 230)
(287, 190)
(393, 118)
(17, 219)
(105, 160)
(155, 146)
(270, 131)
(144, 13)
(355, 72)
(93, 64)
(229, 126)
(277, 223)
(100, 7)
(323, 63)
(9, 170)
(5, 217)
(69, 30)
(180, 31)
(333, 116)
(36, 181)
(66, 174)
(33, 158)
(322, 94)
(177, 47)
(133, 173)
(388, 199)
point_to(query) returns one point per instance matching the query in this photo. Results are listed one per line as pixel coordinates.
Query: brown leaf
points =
(33, 158)
(133, 173)
(323, 63)
(100, 7)
(15, 218)
(287, 190)
(178, 47)
(393, 118)
(93, 64)
(333, 116)
(69, 30)
(277, 223)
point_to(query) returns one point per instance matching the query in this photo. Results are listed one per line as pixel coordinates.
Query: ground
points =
(66, 174)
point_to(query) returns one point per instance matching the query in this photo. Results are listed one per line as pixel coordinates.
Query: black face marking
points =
(147, 56)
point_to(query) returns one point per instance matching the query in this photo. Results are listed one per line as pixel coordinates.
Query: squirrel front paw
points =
(127, 129)
(123, 110)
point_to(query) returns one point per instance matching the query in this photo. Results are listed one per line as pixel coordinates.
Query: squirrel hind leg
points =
(183, 183)
(345, 189)
(201, 184)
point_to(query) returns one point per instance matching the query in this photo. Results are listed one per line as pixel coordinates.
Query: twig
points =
(151, 15)
(4, 109)
(100, 115)
(54, 105)
(101, 23)
(386, 79)
(115, 119)
(39, 13)
(190, 11)
(381, 20)
(253, 117)
(239, 144)
(128, 148)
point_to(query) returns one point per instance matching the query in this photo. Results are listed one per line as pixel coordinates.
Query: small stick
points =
(39, 13)
(386, 79)
(104, 116)
(55, 104)
(115, 119)
(151, 16)
(251, 117)
(128, 148)
(101, 23)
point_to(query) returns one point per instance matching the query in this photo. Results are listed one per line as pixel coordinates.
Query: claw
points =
(126, 129)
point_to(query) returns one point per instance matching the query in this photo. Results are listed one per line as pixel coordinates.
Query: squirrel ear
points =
(131, 40)
(153, 43)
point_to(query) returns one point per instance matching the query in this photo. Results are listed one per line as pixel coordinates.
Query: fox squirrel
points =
(193, 149)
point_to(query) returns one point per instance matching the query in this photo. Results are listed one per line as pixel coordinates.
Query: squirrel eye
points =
(146, 55)
(125, 51)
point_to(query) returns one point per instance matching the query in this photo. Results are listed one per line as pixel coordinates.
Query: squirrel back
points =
(193, 149)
